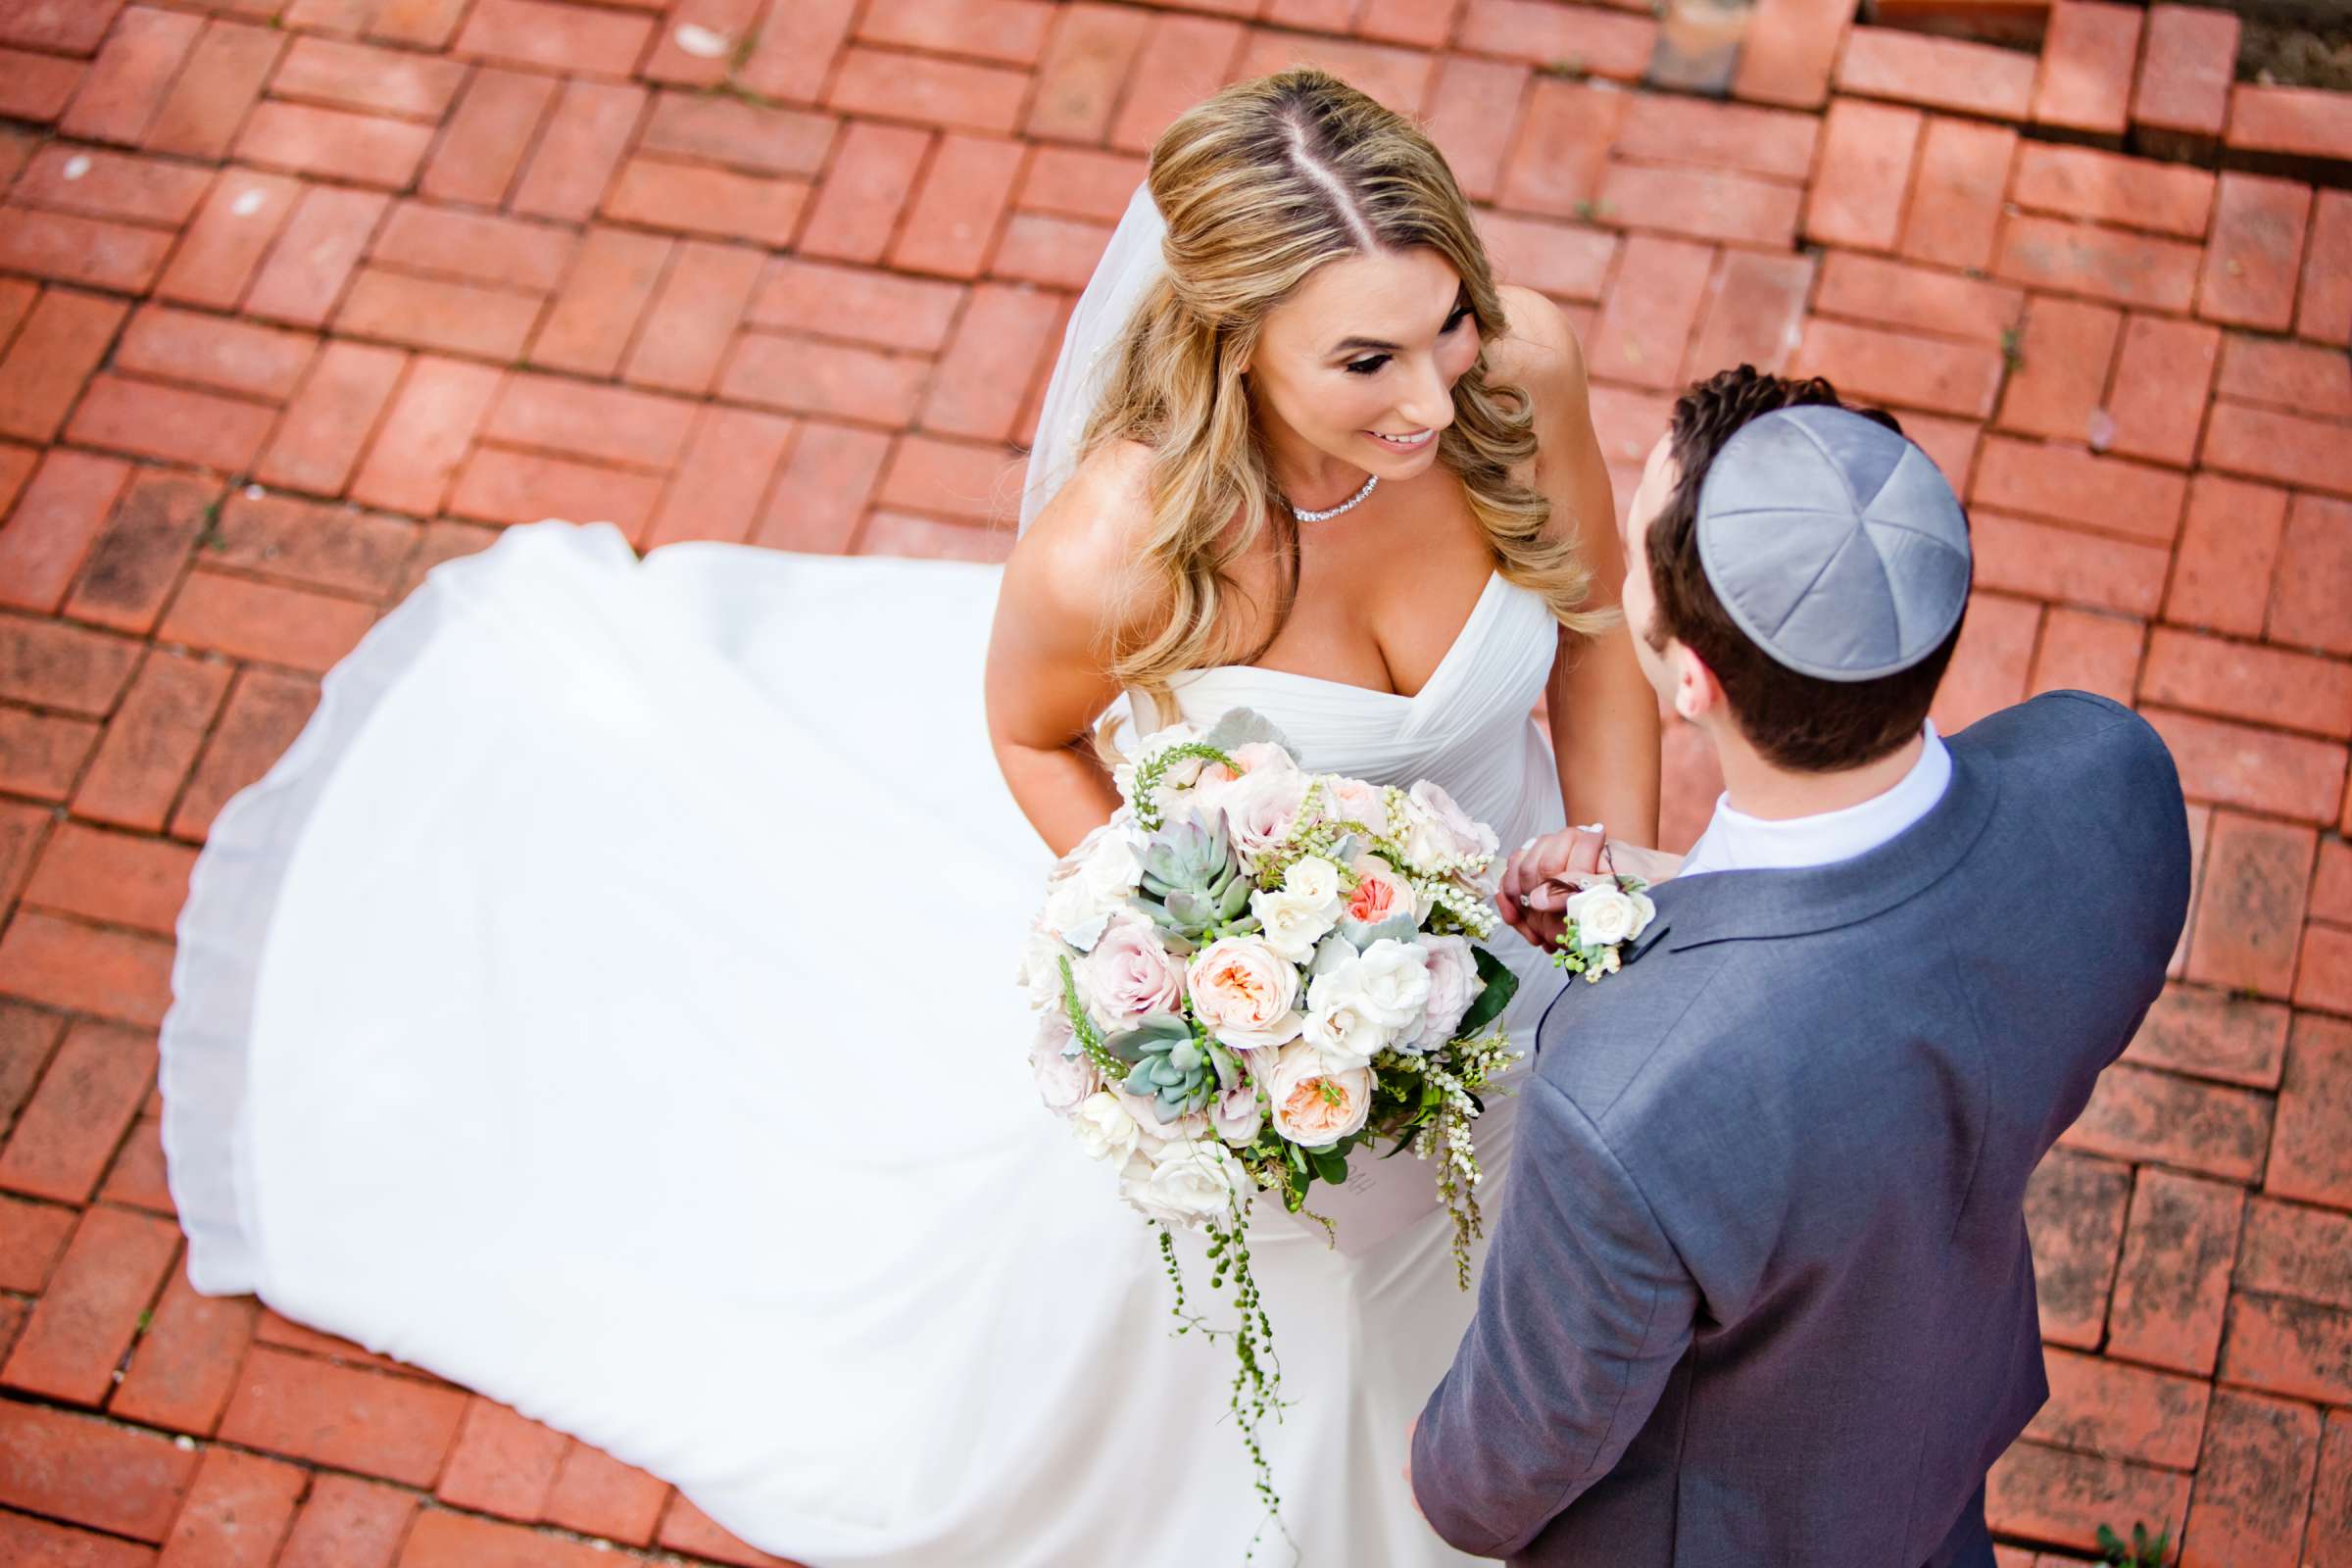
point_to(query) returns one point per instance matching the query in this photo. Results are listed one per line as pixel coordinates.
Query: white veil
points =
(1129, 267)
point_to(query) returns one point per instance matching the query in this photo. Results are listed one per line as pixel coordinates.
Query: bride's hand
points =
(1571, 851)
(1534, 893)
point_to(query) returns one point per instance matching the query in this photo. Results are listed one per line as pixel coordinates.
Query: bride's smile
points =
(1353, 374)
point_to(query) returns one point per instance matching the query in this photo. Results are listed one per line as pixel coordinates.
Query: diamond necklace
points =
(1370, 480)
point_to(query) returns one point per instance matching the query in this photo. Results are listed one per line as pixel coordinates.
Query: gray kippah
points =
(1834, 542)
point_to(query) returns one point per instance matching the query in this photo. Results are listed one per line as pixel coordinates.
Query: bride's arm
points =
(1602, 712)
(1047, 677)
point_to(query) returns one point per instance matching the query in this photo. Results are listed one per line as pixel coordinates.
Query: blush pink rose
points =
(1437, 829)
(1234, 1114)
(1354, 801)
(1063, 1082)
(1261, 807)
(1261, 802)
(1129, 974)
(1453, 984)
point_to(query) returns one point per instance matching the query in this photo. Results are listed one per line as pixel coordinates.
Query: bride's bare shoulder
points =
(1082, 551)
(1540, 350)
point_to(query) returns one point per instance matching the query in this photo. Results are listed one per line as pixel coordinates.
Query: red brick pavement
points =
(299, 297)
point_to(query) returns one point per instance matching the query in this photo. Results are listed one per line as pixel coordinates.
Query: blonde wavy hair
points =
(1259, 185)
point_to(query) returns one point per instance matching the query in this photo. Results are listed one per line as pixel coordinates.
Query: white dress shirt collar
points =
(1736, 842)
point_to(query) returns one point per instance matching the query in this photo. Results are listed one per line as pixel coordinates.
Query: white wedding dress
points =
(608, 1004)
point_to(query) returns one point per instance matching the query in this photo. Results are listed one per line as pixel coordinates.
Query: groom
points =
(1761, 1292)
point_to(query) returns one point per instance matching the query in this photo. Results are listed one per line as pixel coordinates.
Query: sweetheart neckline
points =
(1461, 640)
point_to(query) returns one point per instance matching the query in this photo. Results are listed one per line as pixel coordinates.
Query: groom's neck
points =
(1759, 788)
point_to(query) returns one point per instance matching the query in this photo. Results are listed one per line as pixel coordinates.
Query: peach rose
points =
(1313, 1105)
(1380, 894)
(1244, 993)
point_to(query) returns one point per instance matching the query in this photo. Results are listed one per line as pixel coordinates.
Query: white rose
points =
(1603, 916)
(1039, 972)
(1077, 912)
(1314, 1105)
(1343, 1029)
(1394, 976)
(1453, 984)
(1113, 868)
(1104, 1129)
(1244, 993)
(1064, 1082)
(1293, 922)
(1316, 879)
(1189, 1182)
(1154, 1132)
(1437, 830)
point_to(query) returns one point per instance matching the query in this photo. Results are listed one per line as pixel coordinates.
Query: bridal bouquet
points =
(1250, 973)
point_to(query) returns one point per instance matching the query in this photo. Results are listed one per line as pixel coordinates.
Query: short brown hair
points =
(1796, 721)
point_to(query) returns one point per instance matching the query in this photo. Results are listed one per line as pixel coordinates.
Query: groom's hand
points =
(1527, 906)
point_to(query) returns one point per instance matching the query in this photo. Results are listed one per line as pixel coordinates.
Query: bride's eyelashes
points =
(1373, 362)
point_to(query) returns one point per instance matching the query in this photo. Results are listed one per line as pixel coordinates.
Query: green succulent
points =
(1178, 1071)
(1192, 886)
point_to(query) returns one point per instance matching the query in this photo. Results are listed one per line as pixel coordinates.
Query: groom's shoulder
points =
(2077, 753)
(2065, 729)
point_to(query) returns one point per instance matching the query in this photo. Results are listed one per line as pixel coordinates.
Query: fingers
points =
(1544, 930)
(1536, 881)
(1508, 891)
(1548, 897)
(1572, 852)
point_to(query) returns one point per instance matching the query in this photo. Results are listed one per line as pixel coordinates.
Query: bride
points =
(606, 1003)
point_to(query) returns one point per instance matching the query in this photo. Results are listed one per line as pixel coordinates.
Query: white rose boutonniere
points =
(1606, 916)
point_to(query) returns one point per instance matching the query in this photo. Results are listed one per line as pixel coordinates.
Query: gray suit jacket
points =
(1760, 1290)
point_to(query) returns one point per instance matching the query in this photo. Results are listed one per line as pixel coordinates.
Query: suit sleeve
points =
(1584, 1310)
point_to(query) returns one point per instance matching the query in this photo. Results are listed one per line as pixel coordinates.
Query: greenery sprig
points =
(1255, 1395)
(1090, 1039)
(1154, 768)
